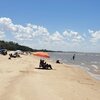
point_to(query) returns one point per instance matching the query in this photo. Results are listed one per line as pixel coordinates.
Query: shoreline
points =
(93, 75)
(21, 80)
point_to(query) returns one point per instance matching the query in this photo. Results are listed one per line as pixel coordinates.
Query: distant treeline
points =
(15, 46)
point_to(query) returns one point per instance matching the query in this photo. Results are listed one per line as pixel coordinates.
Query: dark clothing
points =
(58, 61)
(44, 65)
(73, 57)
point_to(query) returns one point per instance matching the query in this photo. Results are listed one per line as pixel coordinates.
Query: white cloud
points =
(56, 37)
(90, 31)
(95, 36)
(20, 32)
(38, 30)
(31, 31)
(2, 35)
(5, 20)
(73, 36)
(41, 38)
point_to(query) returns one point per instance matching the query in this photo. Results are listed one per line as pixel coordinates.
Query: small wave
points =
(96, 70)
(82, 63)
(96, 76)
(94, 62)
(87, 69)
(97, 55)
(95, 66)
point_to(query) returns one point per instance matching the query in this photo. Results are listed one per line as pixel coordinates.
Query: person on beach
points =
(58, 61)
(41, 63)
(73, 58)
(44, 65)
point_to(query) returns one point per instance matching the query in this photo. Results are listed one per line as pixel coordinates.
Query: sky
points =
(65, 25)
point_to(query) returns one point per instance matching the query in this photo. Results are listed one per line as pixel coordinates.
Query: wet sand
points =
(20, 79)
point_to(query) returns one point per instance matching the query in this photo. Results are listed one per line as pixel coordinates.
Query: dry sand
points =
(20, 80)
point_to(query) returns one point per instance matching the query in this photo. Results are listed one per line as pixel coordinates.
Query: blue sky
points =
(68, 25)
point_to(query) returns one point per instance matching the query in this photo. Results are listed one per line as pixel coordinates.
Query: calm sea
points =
(88, 61)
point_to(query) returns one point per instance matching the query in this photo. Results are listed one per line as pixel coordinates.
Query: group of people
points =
(44, 65)
(73, 58)
(14, 55)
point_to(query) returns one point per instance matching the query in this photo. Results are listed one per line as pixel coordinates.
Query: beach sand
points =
(21, 80)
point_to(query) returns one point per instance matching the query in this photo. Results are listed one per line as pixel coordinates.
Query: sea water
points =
(88, 61)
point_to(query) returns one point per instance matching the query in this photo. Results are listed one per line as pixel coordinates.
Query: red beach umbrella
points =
(42, 54)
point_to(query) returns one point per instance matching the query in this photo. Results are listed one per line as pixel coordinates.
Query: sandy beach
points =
(21, 80)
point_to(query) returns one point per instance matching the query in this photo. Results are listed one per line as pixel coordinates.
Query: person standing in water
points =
(73, 58)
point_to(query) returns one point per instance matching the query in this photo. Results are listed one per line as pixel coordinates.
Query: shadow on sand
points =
(43, 68)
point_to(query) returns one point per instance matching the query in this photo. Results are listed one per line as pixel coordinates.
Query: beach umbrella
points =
(41, 54)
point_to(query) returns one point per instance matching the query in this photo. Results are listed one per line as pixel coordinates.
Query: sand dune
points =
(21, 80)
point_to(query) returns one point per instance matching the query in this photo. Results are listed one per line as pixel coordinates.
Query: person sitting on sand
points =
(13, 55)
(44, 65)
(41, 63)
(58, 61)
(49, 66)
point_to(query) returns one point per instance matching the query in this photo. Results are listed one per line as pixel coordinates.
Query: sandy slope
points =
(20, 80)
